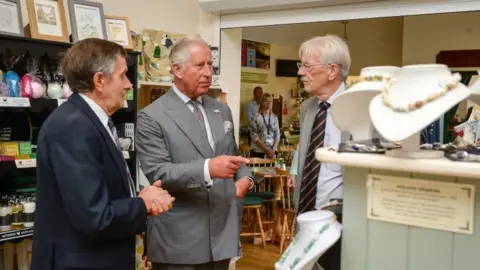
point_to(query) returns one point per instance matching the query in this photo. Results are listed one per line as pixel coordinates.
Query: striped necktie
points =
(113, 129)
(311, 170)
(198, 114)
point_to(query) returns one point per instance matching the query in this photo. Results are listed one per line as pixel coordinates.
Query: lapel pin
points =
(216, 111)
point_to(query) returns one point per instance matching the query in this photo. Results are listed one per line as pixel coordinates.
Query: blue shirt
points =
(330, 178)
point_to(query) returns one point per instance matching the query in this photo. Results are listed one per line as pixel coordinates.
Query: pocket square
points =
(228, 126)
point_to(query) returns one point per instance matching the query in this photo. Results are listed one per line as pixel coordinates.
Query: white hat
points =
(418, 96)
(350, 109)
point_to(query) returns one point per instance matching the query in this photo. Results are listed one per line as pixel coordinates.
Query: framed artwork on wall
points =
(87, 20)
(47, 20)
(118, 31)
(11, 18)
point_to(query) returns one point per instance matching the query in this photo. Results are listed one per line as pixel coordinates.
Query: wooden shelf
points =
(442, 166)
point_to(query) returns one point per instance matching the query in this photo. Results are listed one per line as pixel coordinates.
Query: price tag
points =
(26, 163)
(126, 155)
(14, 102)
(60, 101)
(125, 105)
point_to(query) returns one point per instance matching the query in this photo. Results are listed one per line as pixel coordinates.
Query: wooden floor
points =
(255, 257)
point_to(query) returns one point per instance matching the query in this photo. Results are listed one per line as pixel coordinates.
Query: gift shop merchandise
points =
(350, 109)
(318, 231)
(418, 96)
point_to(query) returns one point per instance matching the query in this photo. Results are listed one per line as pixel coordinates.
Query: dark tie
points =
(198, 114)
(113, 129)
(311, 170)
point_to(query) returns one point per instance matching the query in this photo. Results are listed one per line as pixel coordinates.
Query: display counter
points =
(413, 214)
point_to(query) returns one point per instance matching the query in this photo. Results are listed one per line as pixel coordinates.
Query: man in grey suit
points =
(324, 66)
(186, 138)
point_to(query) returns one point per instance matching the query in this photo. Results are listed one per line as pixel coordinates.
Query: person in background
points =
(88, 212)
(324, 67)
(252, 107)
(264, 130)
(186, 138)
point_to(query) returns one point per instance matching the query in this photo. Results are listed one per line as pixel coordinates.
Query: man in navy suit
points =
(88, 211)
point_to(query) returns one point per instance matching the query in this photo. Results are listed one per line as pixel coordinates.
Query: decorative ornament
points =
(418, 104)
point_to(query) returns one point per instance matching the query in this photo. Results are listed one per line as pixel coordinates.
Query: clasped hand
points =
(157, 200)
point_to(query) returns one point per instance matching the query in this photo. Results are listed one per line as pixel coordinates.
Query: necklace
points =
(374, 78)
(418, 104)
(307, 247)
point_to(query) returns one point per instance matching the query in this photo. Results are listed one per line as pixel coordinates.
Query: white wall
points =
(425, 36)
(372, 41)
(177, 16)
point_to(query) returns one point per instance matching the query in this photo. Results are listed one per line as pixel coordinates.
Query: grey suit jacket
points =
(308, 110)
(204, 224)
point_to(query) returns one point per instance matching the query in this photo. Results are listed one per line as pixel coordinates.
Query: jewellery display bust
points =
(350, 109)
(318, 231)
(418, 96)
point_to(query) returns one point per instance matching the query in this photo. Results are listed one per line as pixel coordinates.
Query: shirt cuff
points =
(252, 183)
(206, 174)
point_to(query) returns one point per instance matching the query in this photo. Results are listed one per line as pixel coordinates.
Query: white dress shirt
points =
(330, 178)
(100, 113)
(103, 116)
(184, 98)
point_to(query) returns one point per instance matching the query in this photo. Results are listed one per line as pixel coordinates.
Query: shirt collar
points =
(182, 96)
(102, 115)
(332, 98)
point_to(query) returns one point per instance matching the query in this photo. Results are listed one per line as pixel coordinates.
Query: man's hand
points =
(225, 167)
(157, 200)
(242, 186)
(291, 181)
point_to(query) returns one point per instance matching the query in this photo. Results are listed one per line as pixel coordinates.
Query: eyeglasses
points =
(309, 67)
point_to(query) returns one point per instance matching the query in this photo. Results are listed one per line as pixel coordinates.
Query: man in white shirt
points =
(324, 66)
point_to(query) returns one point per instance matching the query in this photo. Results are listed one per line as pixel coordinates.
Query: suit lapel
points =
(112, 148)
(306, 128)
(214, 119)
(186, 121)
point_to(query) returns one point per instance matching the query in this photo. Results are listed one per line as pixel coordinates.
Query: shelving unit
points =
(17, 173)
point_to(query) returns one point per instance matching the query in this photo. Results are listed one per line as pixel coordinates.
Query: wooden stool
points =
(250, 204)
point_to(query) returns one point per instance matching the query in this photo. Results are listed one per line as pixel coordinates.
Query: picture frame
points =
(11, 22)
(47, 20)
(87, 20)
(118, 30)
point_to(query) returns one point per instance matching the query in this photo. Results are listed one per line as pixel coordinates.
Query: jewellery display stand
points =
(418, 96)
(411, 149)
(356, 119)
(318, 231)
(369, 244)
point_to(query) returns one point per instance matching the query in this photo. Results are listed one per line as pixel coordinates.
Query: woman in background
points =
(264, 130)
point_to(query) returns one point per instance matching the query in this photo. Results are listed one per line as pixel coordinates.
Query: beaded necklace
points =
(374, 78)
(418, 104)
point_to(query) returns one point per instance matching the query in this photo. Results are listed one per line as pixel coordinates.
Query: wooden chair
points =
(253, 204)
(286, 208)
(265, 188)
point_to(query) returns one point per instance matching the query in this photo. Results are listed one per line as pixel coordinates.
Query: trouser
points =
(331, 259)
(220, 265)
(254, 154)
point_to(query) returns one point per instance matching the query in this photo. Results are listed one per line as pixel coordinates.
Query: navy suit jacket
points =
(85, 217)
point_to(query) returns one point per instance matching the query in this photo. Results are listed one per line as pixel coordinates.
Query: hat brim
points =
(398, 126)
